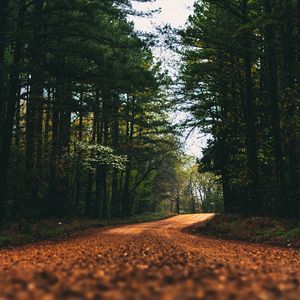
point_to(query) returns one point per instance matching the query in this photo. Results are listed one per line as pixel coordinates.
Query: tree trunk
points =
(255, 199)
(13, 98)
(18, 120)
(61, 137)
(47, 124)
(270, 39)
(289, 63)
(177, 205)
(33, 117)
(49, 207)
(104, 199)
(115, 204)
(127, 201)
(78, 177)
(90, 177)
(3, 32)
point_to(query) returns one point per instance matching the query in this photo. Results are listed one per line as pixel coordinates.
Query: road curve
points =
(156, 260)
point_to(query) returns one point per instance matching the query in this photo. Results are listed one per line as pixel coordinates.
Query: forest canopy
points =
(85, 110)
(240, 78)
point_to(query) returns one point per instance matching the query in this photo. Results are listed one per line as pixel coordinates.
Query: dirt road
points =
(149, 261)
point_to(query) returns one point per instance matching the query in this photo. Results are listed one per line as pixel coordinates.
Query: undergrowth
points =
(254, 229)
(27, 232)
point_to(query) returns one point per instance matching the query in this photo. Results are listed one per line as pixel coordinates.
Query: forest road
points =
(156, 260)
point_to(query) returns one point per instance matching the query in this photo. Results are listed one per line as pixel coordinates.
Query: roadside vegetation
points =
(54, 229)
(84, 112)
(273, 231)
(240, 75)
(193, 191)
(240, 80)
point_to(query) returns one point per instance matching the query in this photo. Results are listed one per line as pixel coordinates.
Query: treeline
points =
(83, 116)
(187, 190)
(241, 79)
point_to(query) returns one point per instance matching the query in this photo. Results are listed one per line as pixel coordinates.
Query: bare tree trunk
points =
(3, 32)
(275, 114)
(177, 204)
(47, 123)
(288, 77)
(90, 176)
(104, 198)
(256, 201)
(127, 201)
(33, 117)
(49, 207)
(78, 177)
(13, 98)
(115, 203)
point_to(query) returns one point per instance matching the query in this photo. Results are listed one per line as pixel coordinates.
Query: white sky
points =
(175, 13)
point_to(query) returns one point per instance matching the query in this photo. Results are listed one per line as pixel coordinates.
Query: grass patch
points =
(254, 229)
(4, 240)
(32, 232)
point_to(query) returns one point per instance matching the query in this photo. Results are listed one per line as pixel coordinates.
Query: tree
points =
(239, 63)
(80, 92)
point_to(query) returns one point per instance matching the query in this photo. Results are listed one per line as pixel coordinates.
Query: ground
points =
(157, 260)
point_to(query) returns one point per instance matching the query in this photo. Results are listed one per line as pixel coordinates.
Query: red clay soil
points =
(149, 261)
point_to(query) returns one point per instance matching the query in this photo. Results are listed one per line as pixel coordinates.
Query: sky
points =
(175, 13)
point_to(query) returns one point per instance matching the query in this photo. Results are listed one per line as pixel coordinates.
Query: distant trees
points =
(241, 82)
(204, 192)
(186, 190)
(83, 114)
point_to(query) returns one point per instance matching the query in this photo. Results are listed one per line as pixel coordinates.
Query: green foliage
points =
(254, 229)
(84, 120)
(185, 190)
(240, 71)
(90, 156)
(56, 229)
(4, 241)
